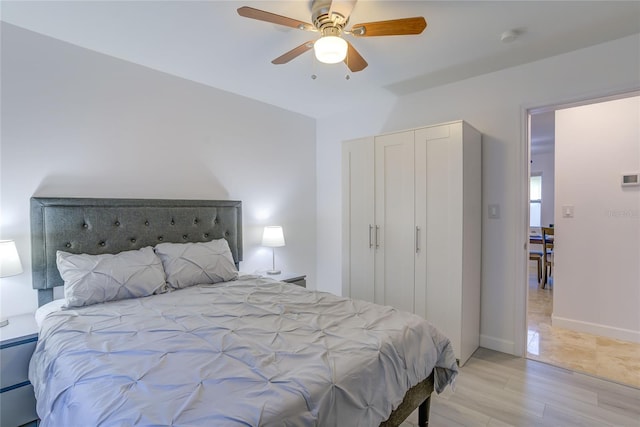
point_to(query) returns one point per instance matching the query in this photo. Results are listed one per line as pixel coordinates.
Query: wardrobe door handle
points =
(370, 239)
(417, 239)
(377, 233)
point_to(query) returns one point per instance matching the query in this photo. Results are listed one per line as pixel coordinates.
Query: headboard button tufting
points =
(101, 226)
(173, 222)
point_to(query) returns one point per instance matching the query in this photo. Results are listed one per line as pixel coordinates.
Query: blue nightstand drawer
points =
(15, 363)
(18, 340)
(17, 406)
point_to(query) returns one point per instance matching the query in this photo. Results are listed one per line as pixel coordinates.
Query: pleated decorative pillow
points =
(92, 279)
(188, 264)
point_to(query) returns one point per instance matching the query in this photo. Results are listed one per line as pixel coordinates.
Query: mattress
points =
(247, 352)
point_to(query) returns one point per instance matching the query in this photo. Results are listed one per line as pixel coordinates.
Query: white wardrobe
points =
(412, 219)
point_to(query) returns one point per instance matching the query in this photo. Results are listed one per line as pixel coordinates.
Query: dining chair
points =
(548, 237)
(537, 257)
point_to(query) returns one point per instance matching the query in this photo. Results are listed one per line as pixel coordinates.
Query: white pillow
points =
(188, 264)
(92, 279)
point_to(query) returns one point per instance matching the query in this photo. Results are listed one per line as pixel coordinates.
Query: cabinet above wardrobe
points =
(412, 219)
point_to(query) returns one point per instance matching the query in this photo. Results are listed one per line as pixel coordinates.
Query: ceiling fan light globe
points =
(330, 49)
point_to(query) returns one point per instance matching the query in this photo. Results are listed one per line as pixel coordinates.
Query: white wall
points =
(597, 252)
(495, 104)
(79, 123)
(543, 164)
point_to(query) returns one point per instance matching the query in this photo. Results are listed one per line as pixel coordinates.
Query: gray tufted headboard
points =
(99, 226)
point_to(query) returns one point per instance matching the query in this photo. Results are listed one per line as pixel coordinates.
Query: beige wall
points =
(597, 251)
(79, 123)
(495, 104)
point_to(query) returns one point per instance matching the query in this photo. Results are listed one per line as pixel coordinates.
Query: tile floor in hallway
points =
(602, 357)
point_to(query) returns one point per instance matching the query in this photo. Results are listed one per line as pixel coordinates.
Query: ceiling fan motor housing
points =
(330, 24)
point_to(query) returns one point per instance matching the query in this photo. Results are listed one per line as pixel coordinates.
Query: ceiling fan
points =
(330, 17)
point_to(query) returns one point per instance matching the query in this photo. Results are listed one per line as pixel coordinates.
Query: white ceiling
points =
(209, 43)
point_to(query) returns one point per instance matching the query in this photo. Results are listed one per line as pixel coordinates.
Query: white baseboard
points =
(498, 344)
(596, 329)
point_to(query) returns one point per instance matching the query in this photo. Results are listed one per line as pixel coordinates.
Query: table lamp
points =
(273, 237)
(9, 264)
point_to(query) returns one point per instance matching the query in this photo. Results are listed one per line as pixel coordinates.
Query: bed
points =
(211, 347)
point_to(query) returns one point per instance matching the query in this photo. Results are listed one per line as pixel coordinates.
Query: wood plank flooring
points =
(496, 389)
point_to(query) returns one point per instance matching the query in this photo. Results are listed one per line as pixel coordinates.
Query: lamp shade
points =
(330, 49)
(273, 236)
(9, 260)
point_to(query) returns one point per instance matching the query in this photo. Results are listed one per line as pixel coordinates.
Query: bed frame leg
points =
(423, 413)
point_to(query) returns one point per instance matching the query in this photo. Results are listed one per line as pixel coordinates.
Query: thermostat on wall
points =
(631, 179)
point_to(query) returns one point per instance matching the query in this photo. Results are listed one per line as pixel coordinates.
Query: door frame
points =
(522, 211)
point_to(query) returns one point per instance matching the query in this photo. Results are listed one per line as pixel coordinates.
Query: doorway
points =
(541, 214)
(553, 338)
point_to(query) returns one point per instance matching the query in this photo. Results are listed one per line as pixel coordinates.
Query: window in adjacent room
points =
(535, 200)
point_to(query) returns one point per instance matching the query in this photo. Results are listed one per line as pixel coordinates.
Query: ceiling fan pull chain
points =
(346, 61)
(313, 68)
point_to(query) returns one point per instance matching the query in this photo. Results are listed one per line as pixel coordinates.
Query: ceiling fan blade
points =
(394, 27)
(343, 7)
(354, 60)
(293, 53)
(261, 15)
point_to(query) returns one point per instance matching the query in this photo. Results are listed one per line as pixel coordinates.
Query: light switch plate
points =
(494, 211)
(567, 211)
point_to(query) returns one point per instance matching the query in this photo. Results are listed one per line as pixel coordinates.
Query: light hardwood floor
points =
(496, 389)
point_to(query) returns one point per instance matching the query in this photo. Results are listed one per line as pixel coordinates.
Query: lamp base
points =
(274, 271)
(4, 322)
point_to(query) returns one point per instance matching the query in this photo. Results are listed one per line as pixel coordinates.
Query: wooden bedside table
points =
(17, 342)
(289, 277)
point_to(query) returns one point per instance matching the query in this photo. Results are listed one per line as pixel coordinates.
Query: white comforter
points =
(244, 353)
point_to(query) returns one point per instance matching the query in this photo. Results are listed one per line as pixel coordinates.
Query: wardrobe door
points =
(358, 219)
(394, 213)
(449, 207)
(421, 253)
(441, 212)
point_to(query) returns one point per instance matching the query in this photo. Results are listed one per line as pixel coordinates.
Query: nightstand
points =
(286, 276)
(17, 343)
